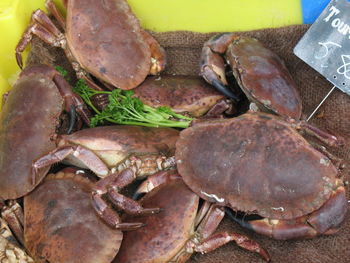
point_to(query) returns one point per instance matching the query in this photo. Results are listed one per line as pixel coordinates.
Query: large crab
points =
(183, 94)
(260, 73)
(180, 229)
(258, 164)
(60, 224)
(28, 126)
(118, 155)
(103, 38)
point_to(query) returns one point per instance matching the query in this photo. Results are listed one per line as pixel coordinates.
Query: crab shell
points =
(28, 120)
(161, 239)
(255, 163)
(263, 77)
(113, 144)
(260, 73)
(62, 226)
(181, 93)
(105, 38)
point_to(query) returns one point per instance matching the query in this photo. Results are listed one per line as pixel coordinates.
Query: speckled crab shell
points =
(106, 39)
(61, 224)
(263, 77)
(181, 93)
(28, 121)
(255, 163)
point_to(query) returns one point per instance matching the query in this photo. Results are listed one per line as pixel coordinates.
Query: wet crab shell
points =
(62, 226)
(106, 39)
(180, 93)
(263, 77)
(27, 122)
(255, 163)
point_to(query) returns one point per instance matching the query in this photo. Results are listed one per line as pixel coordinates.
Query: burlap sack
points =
(183, 51)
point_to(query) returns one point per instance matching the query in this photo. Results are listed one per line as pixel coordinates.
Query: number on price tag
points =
(326, 45)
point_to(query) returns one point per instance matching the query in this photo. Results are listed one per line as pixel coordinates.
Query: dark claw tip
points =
(19, 60)
(225, 90)
(72, 119)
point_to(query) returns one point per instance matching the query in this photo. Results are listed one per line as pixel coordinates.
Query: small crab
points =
(28, 125)
(259, 164)
(183, 94)
(180, 229)
(103, 38)
(118, 155)
(260, 73)
(61, 225)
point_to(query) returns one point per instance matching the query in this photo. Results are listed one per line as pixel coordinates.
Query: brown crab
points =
(132, 150)
(259, 164)
(28, 123)
(61, 225)
(180, 229)
(103, 38)
(183, 94)
(260, 73)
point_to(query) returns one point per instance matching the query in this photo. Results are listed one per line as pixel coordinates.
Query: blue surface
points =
(312, 9)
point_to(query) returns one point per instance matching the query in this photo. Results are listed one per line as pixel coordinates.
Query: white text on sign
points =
(337, 23)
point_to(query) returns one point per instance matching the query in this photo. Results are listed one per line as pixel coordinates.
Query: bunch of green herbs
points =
(124, 108)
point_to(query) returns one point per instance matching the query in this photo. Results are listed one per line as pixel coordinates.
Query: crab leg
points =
(154, 181)
(212, 67)
(9, 248)
(223, 106)
(323, 136)
(110, 216)
(326, 220)
(86, 156)
(111, 185)
(219, 239)
(43, 28)
(52, 8)
(73, 102)
(13, 215)
(47, 31)
(4, 97)
(338, 162)
(213, 241)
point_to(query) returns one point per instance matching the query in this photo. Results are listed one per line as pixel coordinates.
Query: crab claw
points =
(225, 90)
(154, 181)
(19, 60)
(325, 220)
(72, 119)
(212, 68)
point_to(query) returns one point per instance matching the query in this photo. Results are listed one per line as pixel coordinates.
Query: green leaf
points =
(62, 71)
(123, 108)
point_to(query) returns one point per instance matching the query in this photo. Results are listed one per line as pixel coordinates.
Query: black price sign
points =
(326, 45)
